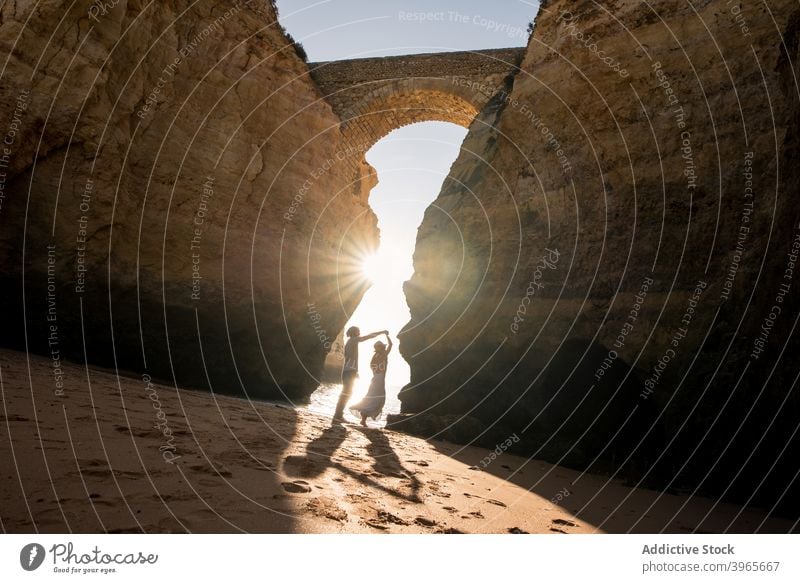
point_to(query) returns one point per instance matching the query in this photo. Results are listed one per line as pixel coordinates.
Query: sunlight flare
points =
(374, 268)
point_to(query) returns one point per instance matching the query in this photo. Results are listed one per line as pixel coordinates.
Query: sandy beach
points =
(108, 453)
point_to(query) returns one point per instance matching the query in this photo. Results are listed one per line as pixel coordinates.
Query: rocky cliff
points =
(609, 272)
(177, 199)
(608, 275)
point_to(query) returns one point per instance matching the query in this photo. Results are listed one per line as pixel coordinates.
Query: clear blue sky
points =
(346, 29)
(413, 161)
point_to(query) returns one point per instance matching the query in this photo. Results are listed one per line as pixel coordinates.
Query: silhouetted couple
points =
(372, 404)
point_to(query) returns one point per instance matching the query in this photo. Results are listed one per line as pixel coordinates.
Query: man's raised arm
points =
(371, 336)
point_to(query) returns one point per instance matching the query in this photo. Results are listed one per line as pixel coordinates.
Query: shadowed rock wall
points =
(175, 195)
(609, 271)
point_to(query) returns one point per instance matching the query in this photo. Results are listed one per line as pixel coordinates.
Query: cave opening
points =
(411, 163)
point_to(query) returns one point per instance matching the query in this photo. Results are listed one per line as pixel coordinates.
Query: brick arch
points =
(374, 96)
(404, 103)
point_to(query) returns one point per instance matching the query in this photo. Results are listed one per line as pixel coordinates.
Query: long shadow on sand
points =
(386, 461)
(319, 457)
(616, 507)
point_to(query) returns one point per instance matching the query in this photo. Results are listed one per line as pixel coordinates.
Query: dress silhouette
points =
(371, 406)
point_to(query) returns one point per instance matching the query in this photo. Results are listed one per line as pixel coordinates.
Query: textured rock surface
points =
(178, 200)
(175, 195)
(374, 96)
(595, 187)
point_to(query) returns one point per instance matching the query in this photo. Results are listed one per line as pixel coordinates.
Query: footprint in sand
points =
(14, 418)
(517, 530)
(326, 508)
(219, 471)
(169, 525)
(436, 490)
(449, 530)
(296, 487)
(389, 517)
(489, 500)
(563, 522)
(424, 521)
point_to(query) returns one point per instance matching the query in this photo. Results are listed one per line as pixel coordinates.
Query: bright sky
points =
(408, 185)
(413, 161)
(348, 29)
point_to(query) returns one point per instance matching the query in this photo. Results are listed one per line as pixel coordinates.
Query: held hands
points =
(374, 334)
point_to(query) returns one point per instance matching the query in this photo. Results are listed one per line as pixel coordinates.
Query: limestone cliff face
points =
(178, 200)
(601, 265)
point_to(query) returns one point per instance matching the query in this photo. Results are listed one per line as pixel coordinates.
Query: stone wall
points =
(609, 270)
(176, 201)
(374, 96)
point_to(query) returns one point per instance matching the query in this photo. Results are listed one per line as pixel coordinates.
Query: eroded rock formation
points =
(608, 273)
(178, 199)
(609, 270)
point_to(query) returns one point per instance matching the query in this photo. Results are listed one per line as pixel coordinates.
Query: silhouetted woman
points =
(372, 404)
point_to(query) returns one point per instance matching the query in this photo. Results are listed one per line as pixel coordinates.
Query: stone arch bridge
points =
(374, 96)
